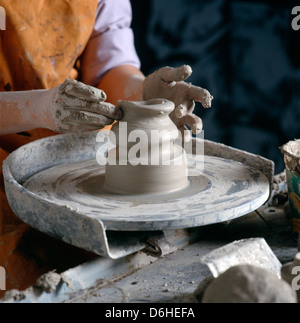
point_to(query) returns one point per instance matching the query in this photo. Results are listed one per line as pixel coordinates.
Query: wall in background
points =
(244, 52)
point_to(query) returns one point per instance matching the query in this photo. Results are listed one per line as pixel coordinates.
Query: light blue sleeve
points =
(111, 43)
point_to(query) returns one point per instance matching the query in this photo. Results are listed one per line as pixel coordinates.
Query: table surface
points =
(174, 277)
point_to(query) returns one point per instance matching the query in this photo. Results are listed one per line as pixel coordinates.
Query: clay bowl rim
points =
(154, 106)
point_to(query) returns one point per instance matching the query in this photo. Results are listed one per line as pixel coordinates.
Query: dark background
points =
(244, 52)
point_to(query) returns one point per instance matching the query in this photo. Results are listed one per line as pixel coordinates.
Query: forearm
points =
(124, 82)
(21, 111)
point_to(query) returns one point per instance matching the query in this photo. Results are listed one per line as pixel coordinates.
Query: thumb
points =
(177, 74)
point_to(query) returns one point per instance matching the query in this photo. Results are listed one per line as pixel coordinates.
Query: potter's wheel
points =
(224, 190)
(56, 185)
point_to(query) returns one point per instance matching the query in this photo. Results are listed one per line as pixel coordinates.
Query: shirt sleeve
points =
(111, 43)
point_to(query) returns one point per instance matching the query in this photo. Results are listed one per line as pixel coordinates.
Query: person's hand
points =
(168, 83)
(75, 107)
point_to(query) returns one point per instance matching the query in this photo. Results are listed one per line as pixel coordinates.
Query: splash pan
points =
(56, 186)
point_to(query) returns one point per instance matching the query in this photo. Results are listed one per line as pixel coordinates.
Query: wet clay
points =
(291, 152)
(248, 284)
(146, 159)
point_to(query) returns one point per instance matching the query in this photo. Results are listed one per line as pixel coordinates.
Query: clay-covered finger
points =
(177, 74)
(86, 118)
(201, 95)
(109, 110)
(83, 91)
(180, 111)
(100, 108)
(194, 122)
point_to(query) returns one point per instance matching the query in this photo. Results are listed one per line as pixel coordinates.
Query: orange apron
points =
(38, 50)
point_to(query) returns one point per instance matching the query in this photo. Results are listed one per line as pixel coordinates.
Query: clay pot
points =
(146, 159)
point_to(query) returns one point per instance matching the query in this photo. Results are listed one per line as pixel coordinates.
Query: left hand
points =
(75, 107)
(168, 83)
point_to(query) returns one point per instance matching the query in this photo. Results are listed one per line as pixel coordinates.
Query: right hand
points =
(169, 83)
(77, 107)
